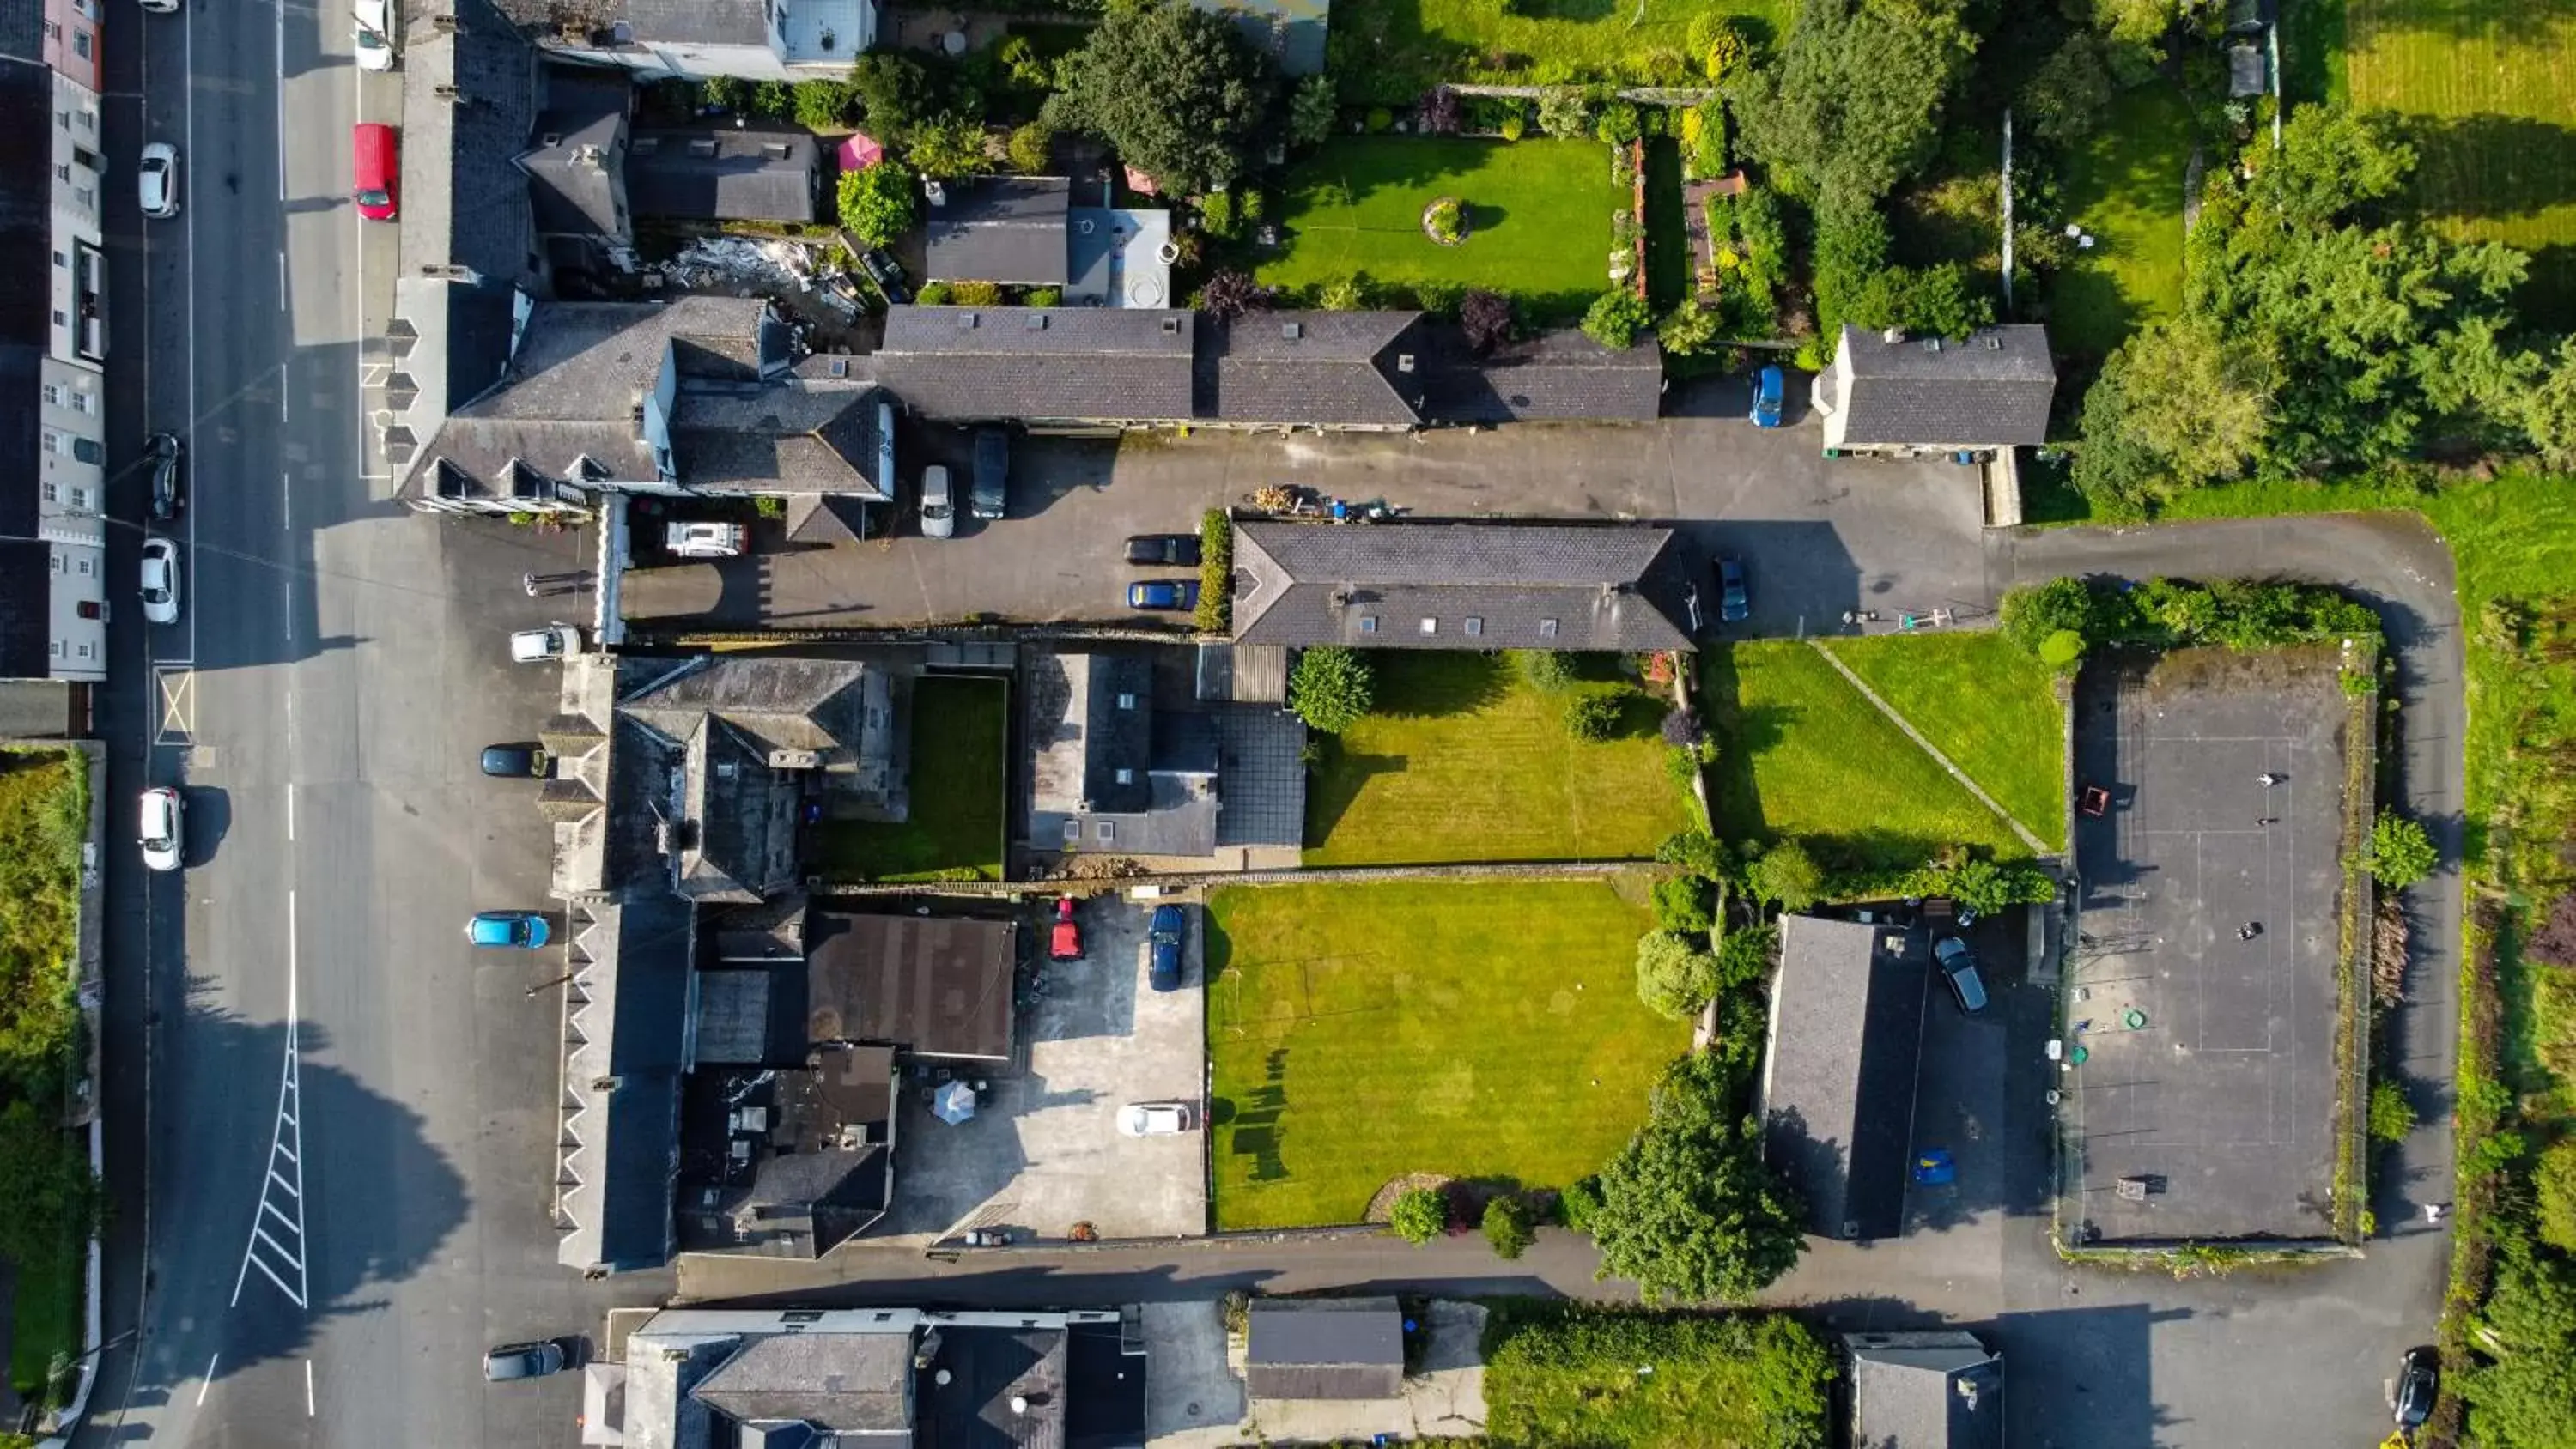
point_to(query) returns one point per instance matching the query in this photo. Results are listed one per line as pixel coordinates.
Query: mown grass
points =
(1463, 760)
(1562, 1374)
(2124, 186)
(1801, 753)
(44, 818)
(1539, 216)
(1390, 51)
(1359, 1033)
(959, 778)
(1986, 704)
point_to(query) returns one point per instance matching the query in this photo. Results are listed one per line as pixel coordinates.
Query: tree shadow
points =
(1251, 1126)
(1741, 733)
(1427, 684)
(1337, 780)
(2491, 165)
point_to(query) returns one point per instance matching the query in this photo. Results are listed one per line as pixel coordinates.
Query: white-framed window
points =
(85, 197)
(63, 119)
(86, 651)
(57, 395)
(56, 648)
(82, 498)
(84, 401)
(86, 567)
(52, 494)
(55, 443)
(85, 9)
(62, 171)
(57, 561)
(61, 261)
(80, 44)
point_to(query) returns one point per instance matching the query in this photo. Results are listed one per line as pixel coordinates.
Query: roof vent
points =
(1037, 322)
(774, 150)
(837, 367)
(1292, 330)
(1171, 325)
(551, 138)
(969, 321)
(1932, 345)
(1892, 336)
(1404, 362)
(1994, 342)
(702, 146)
(621, 32)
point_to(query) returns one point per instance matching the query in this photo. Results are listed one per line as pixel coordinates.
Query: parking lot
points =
(2202, 989)
(1820, 537)
(1044, 1151)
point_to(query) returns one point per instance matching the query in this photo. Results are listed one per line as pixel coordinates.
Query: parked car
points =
(1767, 387)
(169, 490)
(156, 180)
(2419, 1383)
(376, 163)
(887, 273)
(1959, 968)
(514, 762)
(938, 503)
(536, 646)
(521, 930)
(1154, 1119)
(1734, 601)
(523, 1361)
(1170, 550)
(704, 539)
(1164, 936)
(1163, 594)
(160, 579)
(992, 488)
(160, 7)
(375, 34)
(164, 828)
(1064, 939)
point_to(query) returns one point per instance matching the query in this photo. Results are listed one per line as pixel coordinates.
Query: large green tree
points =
(2176, 406)
(2526, 1398)
(1175, 89)
(879, 204)
(1331, 688)
(1688, 1209)
(1855, 100)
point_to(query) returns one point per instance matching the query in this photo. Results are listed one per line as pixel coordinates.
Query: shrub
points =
(728, 93)
(1486, 318)
(1507, 1226)
(1565, 112)
(1217, 215)
(1228, 294)
(1216, 572)
(1786, 873)
(1436, 114)
(1447, 219)
(1704, 139)
(1615, 318)
(1546, 670)
(893, 93)
(1438, 294)
(1683, 904)
(1343, 294)
(950, 146)
(1042, 297)
(1744, 957)
(2391, 1115)
(1618, 124)
(1311, 111)
(1698, 852)
(2030, 615)
(1513, 127)
(822, 105)
(2062, 651)
(975, 294)
(2554, 1195)
(1379, 119)
(773, 100)
(1689, 330)
(2400, 853)
(1330, 689)
(1578, 1202)
(1682, 728)
(1420, 1215)
(932, 294)
(1594, 718)
(1717, 45)
(879, 204)
(1675, 976)
(1031, 147)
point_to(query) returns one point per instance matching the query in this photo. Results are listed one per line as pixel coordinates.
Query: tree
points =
(1688, 1209)
(1486, 318)
(894, 93)
(2391, 1115)
(2029, 615)
(2553, 1184)
(950, 146)
(2136, 22)
(2177, 406)
(822, 105)
(1593, 718)
(1682, 905)
(1744, 957)
(1615, 319)
(1698, 852)
(1675, 975)
(1031, 147)
(1312, 108)
(47, 1193)
(1855, 101)
(1228, 294)
(2065, 98)
(1175, 89)
(2526, 1397)
(1681, 728)
(1688, 330)
(1330, 688)
(879, 204)
(1788, 874)
(1507, 1226)
(1577, 1204)
(1343, 294)
(2549, 412)
(1565, 112)
(728, 93)
(2400, 853)
(1420, 1215)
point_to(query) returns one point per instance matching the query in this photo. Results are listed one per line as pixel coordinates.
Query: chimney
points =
(933, 192)
(1892, 336)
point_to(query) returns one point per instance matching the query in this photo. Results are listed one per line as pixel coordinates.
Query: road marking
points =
(308, 1388)
(278, 1258)
(207, 1382)
(281, 300)
(177, 688)
(188, 123)
(290, 813)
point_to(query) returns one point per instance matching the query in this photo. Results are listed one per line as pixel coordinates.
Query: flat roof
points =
(937, 986)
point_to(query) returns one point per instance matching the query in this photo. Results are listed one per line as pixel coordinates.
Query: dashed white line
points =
(281, 296)
(308, 1388)
(290, 815)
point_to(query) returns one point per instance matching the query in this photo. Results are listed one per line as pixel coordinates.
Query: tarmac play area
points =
(2206, 1085)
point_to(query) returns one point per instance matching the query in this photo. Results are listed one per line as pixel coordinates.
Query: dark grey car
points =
(169, 490)
(1959, 968)
(523, 1361)
(990, 494)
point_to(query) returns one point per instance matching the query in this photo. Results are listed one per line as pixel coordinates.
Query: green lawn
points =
(1800, 752)
(1359, 1033)
(2487, 91)
(960, 732)
(2125, 187)
(1462, 760)
(1562, 1375)
(1390, 51)
(1984, 703)
(45, 1317)
(44, 818)
(1539, 217)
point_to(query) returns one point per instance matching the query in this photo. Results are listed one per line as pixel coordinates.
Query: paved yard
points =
(1819, 537)
(1046, 1153)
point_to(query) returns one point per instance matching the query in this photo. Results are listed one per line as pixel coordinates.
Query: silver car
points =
(163, 828)
(160, 580)
(157, 180)
(938, 503)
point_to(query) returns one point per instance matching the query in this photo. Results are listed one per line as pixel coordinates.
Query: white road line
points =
(308, 1388)
(282, 194)
(188, 347)
(290, 814)
(281, 306)
(208, 1381)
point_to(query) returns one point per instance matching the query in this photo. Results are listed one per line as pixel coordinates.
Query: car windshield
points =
(374, 196)
(935, 510)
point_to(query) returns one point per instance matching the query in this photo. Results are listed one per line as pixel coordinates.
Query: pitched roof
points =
(796, 435)
(469, 102)
(1325, 1349)
(1039, 364)
(988, 1368)
(1935, 1390)
(1557, 376)
(677, 22)
(1347, 369)
(1838, 1078)
(855, 1382)
(26, 178)
(1008, 229)
(575, 156)
(723, 175)
(624, 1055)
(1481, 586)
(1991, 389)
(938, 985)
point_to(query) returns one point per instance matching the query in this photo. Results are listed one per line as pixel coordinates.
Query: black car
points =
(1172, 550)
(514, 762)
(169, 489)
(1959, 968)
(990, 496)
(523, 1361)
(887, 273)
(1166, 930)
(2419, 1383)
(1734, 602)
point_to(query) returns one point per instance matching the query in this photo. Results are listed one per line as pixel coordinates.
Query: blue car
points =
(1766, 398)
(1168, 927)
(1163, 594)
(1734, 602)
(520, 930)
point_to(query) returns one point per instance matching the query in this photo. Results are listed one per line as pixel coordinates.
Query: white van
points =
(706, 540)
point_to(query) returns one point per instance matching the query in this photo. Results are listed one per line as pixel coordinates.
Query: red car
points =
(1065, 944)
(379, 170)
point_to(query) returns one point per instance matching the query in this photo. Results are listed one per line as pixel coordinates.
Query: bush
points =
(1379, 120)
(1436, 114)
(1565, 112)
(2554, 1195)
(1042, 297)
(822, 105)
(1744, 957)
(1615, 318)
(1698, 852)
(1447, 219)
(1507, 1226)
(1031, 147)
(1420, 1215)
(1682, 728)
(879, 204)
(1684, 904)
(1228, 294)
(975, 294)
(949, 146)
(1618, 124)
(1593, 718)
(1514, 127)
(1546, 670)
(1310, 111)
(2391, 1115)
(727, 93)
(772, 100)
(1486, 318)
(1217, 215)
(1786, 873)
(1216, 572)
(1688, 330)
(1578, 1202)
(2400, 853)
(2062, 651)
(2031, 614)
(1330, 689)
(1675, 976)
(1688, 1208)
(932, 294)
(893, 94)
(1343, 294)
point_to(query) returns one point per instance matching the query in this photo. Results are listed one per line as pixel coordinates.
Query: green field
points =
(1391, 51)
(1359, 1033)
(1462, 760)
(2487, 92)
(2124, 186)
(1800, 752)
(1984, 703)
(959, 776)
(1560, 1375)
(1539, 218)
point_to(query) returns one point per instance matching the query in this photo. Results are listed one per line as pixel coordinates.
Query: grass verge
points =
(1986, 704)
(45, 1317)
(958, 780)
(1483, 1031)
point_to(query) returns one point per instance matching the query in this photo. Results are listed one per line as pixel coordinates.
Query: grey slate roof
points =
(723, 175)
(469, 102)
(1112, 364)
(1932, 1390)
(1345, 369)
(796, 435)
(939, 985)
(854, 1382)
(575, 157)
(676, 22)
(1837, 1102)
(1484, 586)
(988, 1367)
(1991, 389)
(1008, 229)
(629, 993)
(1558, 376)
(1325, 1349)
(22, 31)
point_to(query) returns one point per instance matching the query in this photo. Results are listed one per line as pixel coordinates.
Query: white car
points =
(164, 828)
(160, 580)
(536, 646)
(1154, 1119)
(157, 180)
(375, 34)
(706, 540)
(938, 503)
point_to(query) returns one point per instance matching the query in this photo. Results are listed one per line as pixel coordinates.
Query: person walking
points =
(2267, 779)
